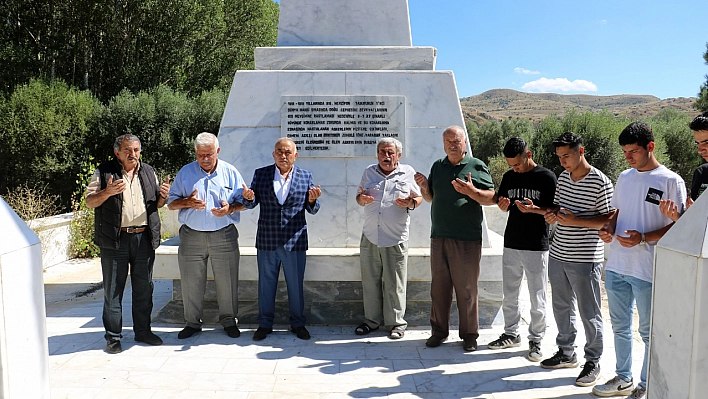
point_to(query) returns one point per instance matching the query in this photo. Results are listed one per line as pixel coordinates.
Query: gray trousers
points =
(195, 249)
(384, 277)
(579, 283)
(535, 264)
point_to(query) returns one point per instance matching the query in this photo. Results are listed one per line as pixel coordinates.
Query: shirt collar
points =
(465, 159)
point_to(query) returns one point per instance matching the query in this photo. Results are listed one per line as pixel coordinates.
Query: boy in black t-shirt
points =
(526, 192)
(699, 183)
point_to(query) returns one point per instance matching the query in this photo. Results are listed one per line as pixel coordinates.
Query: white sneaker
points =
(614, 387)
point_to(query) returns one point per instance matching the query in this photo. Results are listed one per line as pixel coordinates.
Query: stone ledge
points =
(330, 264)
(345, 58)
(331, 303)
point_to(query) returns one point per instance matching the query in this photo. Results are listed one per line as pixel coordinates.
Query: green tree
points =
(702, 100)
(108, 46)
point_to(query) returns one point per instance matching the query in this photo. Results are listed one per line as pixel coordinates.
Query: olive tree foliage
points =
(702, 100)
(487, 141)
(675, 145)
(108, 46)
(599, 132)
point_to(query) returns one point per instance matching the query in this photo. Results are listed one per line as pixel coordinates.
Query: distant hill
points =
(499, 104)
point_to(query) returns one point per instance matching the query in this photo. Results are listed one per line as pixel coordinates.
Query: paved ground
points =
(334, 364)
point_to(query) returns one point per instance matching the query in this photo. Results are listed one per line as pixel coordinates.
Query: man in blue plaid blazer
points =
(285, 192)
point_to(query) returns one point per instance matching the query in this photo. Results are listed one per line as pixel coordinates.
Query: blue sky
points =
(600, 47)
(592, 47)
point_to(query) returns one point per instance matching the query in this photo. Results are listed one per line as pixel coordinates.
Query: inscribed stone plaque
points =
(341, 126)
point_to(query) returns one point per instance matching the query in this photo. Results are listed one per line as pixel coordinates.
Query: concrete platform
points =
(334, 364)
(333, 292)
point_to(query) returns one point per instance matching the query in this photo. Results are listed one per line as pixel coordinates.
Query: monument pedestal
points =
(332, 285)
(24, 351)
(678, 353)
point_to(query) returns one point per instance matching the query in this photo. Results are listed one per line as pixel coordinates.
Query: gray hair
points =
(206, 139)
(125, 137)
(288, 139)
(389, 141)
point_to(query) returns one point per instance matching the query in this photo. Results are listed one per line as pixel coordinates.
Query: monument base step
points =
(331, 303)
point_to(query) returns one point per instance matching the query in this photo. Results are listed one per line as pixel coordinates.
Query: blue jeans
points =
(268, 270)
(622, 291)
(135, 251)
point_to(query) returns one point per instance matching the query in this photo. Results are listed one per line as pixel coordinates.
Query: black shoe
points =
(434, 341)
(233, 331)
(469, 344)
(261, 333)
(301, 332)
(589, 375)
(505, 341)
(559, 361)
(113, 347)
(188, 332)
(149, 338)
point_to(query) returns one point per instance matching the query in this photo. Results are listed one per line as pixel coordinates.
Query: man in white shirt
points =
(633, 232)
(387, 192)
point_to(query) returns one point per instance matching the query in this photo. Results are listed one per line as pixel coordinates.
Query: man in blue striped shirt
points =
(208, 195)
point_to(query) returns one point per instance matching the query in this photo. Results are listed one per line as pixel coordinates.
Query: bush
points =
(82, 229)
(675, 143)
(497, 167)
(166, 122)
(32, 203)
(43, 132)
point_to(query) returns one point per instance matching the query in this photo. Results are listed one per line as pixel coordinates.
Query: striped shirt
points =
(586, 198)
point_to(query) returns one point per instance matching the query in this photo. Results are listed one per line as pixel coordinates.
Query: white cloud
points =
(545, 85)
(526, 71)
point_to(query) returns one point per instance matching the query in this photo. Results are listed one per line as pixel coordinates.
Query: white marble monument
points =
(678, 351)
(24, 353)
(344, 73)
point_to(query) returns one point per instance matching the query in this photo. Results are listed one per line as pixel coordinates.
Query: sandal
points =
(397, 333)
(364, 329)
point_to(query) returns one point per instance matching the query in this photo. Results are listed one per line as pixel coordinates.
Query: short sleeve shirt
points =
(527, 231)
(637, 197)
(455, 215)
(133, 212)
(385, 223)
(699, 183)
(223, 184)
(586, 198)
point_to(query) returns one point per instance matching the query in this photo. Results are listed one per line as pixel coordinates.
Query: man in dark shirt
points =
(526, 192)
(699, 183)
(457, 187)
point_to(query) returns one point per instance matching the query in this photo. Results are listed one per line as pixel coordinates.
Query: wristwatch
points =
(644, 239)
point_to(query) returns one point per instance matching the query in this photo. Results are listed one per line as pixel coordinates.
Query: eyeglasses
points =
(701, 142)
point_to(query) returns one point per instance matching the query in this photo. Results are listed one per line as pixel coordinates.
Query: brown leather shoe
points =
(435, 341)
(470, 345)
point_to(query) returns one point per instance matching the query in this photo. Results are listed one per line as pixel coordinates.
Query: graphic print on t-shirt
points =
(654, 195)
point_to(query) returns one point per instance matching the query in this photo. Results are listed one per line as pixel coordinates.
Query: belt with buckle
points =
(133, 229)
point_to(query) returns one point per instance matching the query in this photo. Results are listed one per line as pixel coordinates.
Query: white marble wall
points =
(251, 124)
(24, 353)
(344, 23)
(678, 359)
